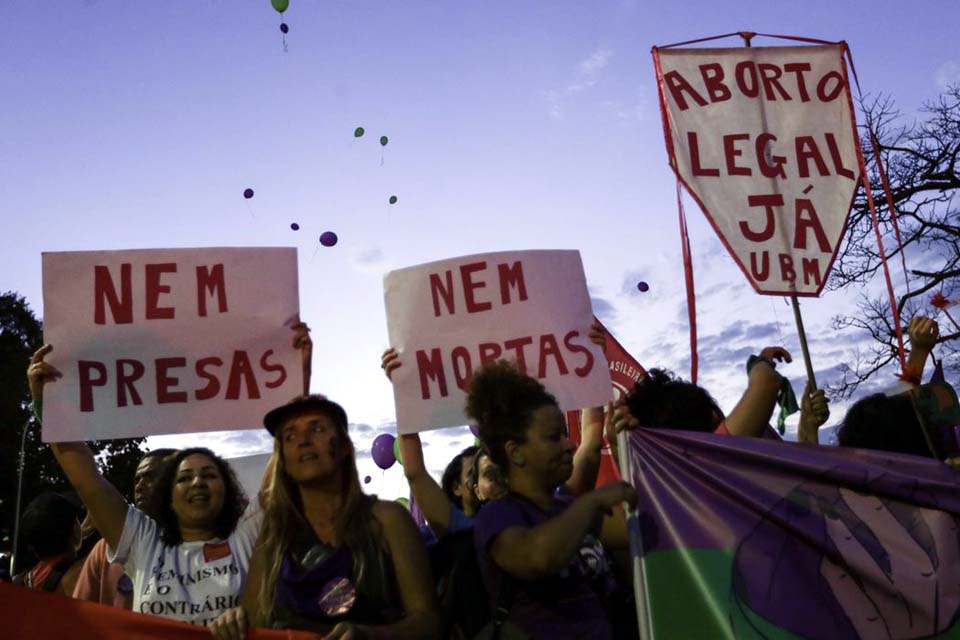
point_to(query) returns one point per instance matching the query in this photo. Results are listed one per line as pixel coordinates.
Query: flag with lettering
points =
(625, 371)
(765, 140)
(753, 538)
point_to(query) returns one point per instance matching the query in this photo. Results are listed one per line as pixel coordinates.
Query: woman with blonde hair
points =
(331, 559)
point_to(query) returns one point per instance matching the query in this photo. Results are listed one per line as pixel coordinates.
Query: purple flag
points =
(752, 538)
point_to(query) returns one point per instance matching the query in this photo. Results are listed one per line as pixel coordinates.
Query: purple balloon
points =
(643, 286)
(248, 193)
(475, 430)
(382, 451)
(328, 238)
(295, 226)
(366, 480)
(284, 28)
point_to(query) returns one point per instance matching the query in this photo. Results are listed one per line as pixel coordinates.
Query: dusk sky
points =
(511, 125)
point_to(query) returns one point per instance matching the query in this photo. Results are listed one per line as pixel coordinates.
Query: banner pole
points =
(747, 37)
(16, 517)
(803, 341)
(640, 591)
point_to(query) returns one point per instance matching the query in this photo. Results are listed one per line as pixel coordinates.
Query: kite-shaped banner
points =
(765, 141)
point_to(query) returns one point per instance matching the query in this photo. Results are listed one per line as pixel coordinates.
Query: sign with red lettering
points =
(168, 340)
(765, 141)
(448, 318)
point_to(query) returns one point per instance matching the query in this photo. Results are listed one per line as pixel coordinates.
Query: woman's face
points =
(548, 451)
(198, 492)
(312, 447)
(490, 484)
(463, 489)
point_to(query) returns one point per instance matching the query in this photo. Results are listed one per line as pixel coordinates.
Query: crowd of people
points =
(519, 542)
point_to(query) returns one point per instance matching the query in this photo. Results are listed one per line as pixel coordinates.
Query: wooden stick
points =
(803, 341)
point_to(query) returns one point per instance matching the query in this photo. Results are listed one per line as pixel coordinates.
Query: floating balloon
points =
(382, 451)
(280, 5)
(328, 238)
(284, 29)
(366, 480)
(248, 193)
(475, 430)
(295, 226)
(643, 286)
(396, 452)
(405, 502)
(358, 132)
(393, 199)
(383, 141)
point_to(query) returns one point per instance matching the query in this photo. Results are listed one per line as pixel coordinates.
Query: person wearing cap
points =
(189, 558)
(331, 559)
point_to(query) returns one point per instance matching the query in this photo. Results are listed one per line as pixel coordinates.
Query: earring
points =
(519, 461)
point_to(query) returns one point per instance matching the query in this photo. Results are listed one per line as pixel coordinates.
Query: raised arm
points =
(433, 502)
(586, 460)
(103, 501)
(303, 342)
(753, 412)
(924, 333)
(544, 550)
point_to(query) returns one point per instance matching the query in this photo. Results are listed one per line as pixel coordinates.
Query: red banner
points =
(27, 613)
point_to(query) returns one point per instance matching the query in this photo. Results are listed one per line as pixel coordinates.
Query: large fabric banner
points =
(751, 538)
(765, 141)
(448, 318)
(168, 340)
(625, 371)
(29, 614)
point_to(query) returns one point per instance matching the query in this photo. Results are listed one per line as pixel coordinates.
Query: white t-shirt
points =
(192, 582)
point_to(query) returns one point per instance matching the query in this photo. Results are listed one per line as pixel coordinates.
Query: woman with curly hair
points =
(539, 549)
(331, 559)
(189, 561)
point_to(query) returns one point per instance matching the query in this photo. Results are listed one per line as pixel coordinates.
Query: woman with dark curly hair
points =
(537, 544)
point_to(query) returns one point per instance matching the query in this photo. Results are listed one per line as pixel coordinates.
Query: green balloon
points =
(393, 199)
(404, 502)
(358, 132)
(280, 5)
(396, 451)
(383, 141)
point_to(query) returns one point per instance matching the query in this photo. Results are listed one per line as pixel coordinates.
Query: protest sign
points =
(168, 340)
(447, 318)
(765, 141)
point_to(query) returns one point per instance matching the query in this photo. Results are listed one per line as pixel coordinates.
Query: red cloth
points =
(99, 579)
(30, 614)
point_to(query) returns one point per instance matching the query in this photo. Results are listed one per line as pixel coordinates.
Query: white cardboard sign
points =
(162, 341)
(447, 318)
(765, 141)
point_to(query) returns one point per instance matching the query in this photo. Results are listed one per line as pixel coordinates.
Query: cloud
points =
(947, 74)
(368, 259)
(587, 74)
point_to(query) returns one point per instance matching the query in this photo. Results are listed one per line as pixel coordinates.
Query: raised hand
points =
(39, 372)
(776, 354)
(390, 362)
(923, 333)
